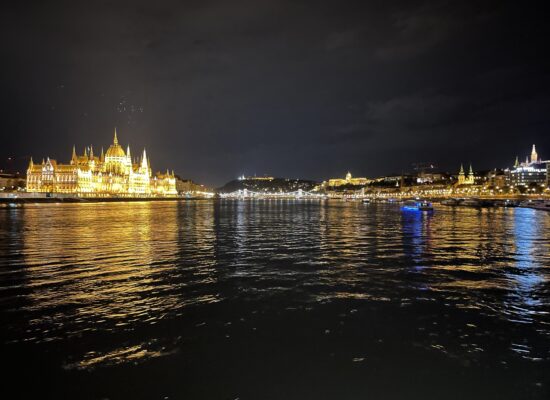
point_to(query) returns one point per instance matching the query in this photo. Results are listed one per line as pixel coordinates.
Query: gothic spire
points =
(461, 170)
(534, 155)
(144, 162)
(115, 140)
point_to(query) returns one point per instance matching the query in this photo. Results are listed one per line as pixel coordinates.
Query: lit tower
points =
(74, 158)
(461, 177)
(145, 163)
(534, 155)
(470, 180)
(129, 165)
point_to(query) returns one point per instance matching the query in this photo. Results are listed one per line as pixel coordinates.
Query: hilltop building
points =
(111, 174)
(255, 178)
(348, 180)
(532, 171)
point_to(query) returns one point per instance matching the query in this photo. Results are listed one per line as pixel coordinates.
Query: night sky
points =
(306, 89)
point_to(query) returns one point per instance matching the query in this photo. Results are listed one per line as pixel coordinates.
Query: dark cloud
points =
(218, 88)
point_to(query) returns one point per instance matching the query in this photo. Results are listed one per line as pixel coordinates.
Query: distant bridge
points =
(249, 194)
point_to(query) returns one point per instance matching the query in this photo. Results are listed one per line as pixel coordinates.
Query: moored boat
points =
(536, 204)
(473, 202)
(505, 203)
(451, 202)
(510, 203)
(418, 205)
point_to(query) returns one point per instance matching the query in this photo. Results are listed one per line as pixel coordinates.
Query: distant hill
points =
(267, 185)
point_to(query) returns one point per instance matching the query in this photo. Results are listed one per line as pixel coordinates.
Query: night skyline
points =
(214, 90)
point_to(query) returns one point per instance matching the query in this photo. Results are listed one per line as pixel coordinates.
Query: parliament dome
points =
(115, 150)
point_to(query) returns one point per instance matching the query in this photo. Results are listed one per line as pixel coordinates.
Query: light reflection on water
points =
(139, 281)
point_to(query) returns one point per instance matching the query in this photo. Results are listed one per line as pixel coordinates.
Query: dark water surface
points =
(274, 300)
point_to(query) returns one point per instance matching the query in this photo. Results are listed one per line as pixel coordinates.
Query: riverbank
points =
(40, 200)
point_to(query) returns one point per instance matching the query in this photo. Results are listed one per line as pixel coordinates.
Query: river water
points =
(274, 300)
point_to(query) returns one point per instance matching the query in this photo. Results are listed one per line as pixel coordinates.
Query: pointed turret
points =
(534, 155)
(74, 158)
(516, 164)
(91, 152)
(102, 156)
(31, 163)
(128, 153)
(85, 152)
(461, 177)
(115, 139)
(471, 172)
(144, 163)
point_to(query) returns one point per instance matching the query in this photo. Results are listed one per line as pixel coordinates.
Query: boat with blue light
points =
(418, 205)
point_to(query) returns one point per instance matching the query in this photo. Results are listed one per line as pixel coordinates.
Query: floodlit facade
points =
(348, 180)
(111, 174)
(463, 179)
(532, 171)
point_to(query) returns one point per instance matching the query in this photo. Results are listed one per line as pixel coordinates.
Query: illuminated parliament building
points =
(111, 174)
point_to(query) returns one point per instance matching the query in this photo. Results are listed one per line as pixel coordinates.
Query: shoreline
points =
(4, 201)
(83, 200)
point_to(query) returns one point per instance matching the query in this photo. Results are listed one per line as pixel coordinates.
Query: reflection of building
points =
(463, 179)
(113, 282)
(533, 171)
(349, 180)
(112, 173)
